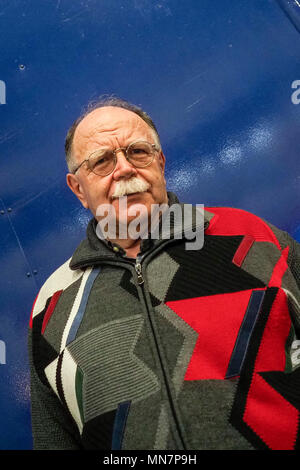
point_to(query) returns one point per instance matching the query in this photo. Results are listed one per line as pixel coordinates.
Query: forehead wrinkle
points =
(104, 134)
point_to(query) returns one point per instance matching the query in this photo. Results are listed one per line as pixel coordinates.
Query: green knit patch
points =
(78, 391)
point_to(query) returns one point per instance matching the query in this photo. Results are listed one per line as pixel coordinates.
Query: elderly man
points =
(141, 343)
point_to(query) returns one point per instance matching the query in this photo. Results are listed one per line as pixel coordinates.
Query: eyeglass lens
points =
(103, 161)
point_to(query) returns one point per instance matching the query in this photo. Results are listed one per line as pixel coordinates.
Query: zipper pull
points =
(138, 270)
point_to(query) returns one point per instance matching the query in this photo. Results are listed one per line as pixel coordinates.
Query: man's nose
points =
(123, 168)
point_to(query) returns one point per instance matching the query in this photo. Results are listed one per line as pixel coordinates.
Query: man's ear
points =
(76, 188)
(162, 161)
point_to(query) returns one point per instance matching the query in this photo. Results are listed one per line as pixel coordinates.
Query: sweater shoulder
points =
(58, 281)
(230, 221)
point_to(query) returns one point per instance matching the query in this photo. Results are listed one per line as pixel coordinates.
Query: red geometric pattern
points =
(51, 307)
(271, 353)
(267, 412)
(31, 313)
(230, 221)
(242, 250)
(279, 269)
(270, 416)
(217, 320)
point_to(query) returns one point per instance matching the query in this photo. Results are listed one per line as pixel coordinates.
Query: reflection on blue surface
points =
(216, 77)
(296, 234)
(292, 10)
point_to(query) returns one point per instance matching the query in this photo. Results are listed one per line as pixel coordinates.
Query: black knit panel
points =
(295, 268)
(59, 380)
(288, 385)
(97, 433)
(209, 271)
(42, 352)
(127, 285)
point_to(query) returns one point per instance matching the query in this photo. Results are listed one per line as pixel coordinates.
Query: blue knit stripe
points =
(241, 344)
(79, 315)
(119, 425)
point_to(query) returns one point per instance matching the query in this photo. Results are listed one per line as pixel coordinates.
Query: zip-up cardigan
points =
(177, 350)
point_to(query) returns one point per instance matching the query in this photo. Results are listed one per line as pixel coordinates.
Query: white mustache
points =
(134, 185)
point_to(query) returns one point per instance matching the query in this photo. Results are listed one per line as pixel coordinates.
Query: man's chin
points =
(125, 208)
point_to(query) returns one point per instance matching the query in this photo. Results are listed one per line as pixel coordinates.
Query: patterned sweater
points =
(194, 350)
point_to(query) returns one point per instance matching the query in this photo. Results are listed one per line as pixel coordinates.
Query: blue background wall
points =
(216, 78)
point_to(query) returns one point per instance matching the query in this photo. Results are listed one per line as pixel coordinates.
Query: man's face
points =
(112, 127)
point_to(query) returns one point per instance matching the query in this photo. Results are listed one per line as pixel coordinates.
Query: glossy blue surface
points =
(216, 77)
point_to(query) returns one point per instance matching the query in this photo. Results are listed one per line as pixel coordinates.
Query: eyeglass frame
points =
(114, 151)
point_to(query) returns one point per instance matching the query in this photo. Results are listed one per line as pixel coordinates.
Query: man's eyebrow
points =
(88, 154)
(142, 139)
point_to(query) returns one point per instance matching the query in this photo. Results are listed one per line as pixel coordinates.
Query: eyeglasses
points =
(102, 162)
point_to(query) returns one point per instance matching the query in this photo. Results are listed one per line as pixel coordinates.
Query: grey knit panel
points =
(283, 237)
(162, 429)
(60, 315)
(295, 263)
(160, 273)
(285, 240)
(148, 426)
(295, 268)
(144, 350)
(142, 423)
(289, 283)
(253, 264)
(178, 340)
(208, 215)
(108, 300)
(293, 294)
(171, 443)
(112, 372)
(176, 337)
(207, 420)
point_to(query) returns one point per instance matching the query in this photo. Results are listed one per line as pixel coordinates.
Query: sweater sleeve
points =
(52, 426)
(285, 240)
(295, 260)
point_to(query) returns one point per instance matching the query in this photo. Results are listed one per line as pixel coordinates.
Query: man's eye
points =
(137, 151)
(100, 161)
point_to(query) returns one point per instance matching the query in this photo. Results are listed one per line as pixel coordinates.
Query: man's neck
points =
(132, 247)
(133, 251)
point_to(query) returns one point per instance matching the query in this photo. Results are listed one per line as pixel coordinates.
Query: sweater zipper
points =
(140, 281)
(138, 270)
